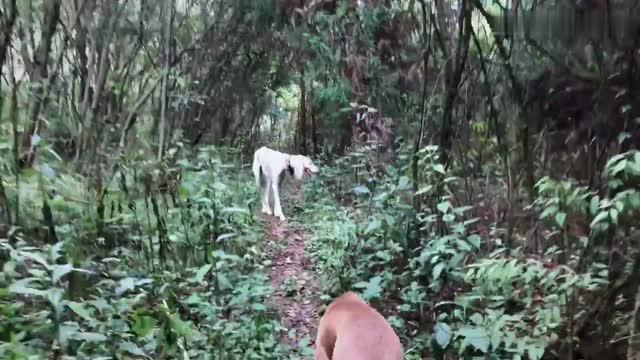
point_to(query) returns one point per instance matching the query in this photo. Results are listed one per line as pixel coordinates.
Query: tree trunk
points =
(314, 131)
(40, 72)
(302, 121)
(453, 74)
(423, 105)
(81, 53)
(6, 30)
(163, 100)
(633, 350)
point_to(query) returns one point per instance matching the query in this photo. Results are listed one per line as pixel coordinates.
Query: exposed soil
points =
(296, 297)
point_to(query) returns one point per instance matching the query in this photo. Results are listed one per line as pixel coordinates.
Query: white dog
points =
(269, 169)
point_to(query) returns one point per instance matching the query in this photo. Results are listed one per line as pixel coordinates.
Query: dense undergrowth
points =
(450, 288)
(517, 237)
(165, 278)
(178, 272)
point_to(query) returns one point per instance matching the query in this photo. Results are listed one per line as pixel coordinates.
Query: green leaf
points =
(55, 296)
(22, 287)
(373, 288)
(56, 251)
(476, 336)
(183, 191)
(223, 237)
(200, 274)
(437, 270)
(179, 326)
(623, 136)
(443, 334)
(601, 216)
(549, 211)
(634, 167)
(634, 199)
(223, 282)
(448, 218)
(37, 258)
(594, 204)
(381, 196)
(29, 172)
(619, 167)
(439, 168)
(424, 190)
(619, 205)
(443, 206)
(79, 309)
(90, 337)
(373, 226)
(47, 171)
(236, 210)
(59, 271)
(131, 348)
(556, 316)
(613, 213)
(403, 183)
(391, 170)
(475, 240)
(476, 319)
(54, 153)
(143, 325)
(67, 331)
(496, 338)
(219, 186)
(126, 284)
(535, 351)
(390, 220)
(560, 219)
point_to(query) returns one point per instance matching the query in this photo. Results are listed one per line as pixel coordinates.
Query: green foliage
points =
(123, 241)
(203, 299)
(514, 308)
(497, 304)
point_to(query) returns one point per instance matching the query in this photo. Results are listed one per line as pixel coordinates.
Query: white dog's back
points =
(269, 161)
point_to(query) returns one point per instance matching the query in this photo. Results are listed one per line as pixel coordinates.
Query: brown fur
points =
(350, 329)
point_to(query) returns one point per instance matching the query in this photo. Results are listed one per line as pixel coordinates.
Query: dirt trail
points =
(296, 297)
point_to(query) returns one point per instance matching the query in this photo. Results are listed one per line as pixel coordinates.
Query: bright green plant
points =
(514, 308)
(186, 279)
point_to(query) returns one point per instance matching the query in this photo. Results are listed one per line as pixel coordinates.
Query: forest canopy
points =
(479, 176)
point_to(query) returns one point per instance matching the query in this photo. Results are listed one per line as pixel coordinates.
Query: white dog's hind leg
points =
(262, 189)
(277, 209)
(256, 172)
(266, 208)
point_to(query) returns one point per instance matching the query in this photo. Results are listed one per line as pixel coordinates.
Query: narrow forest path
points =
(296, 296)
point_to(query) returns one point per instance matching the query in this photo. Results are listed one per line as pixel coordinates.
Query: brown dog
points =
(350, 329)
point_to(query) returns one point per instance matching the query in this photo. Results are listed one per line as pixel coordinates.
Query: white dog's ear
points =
(297, 166)
(287, 162)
